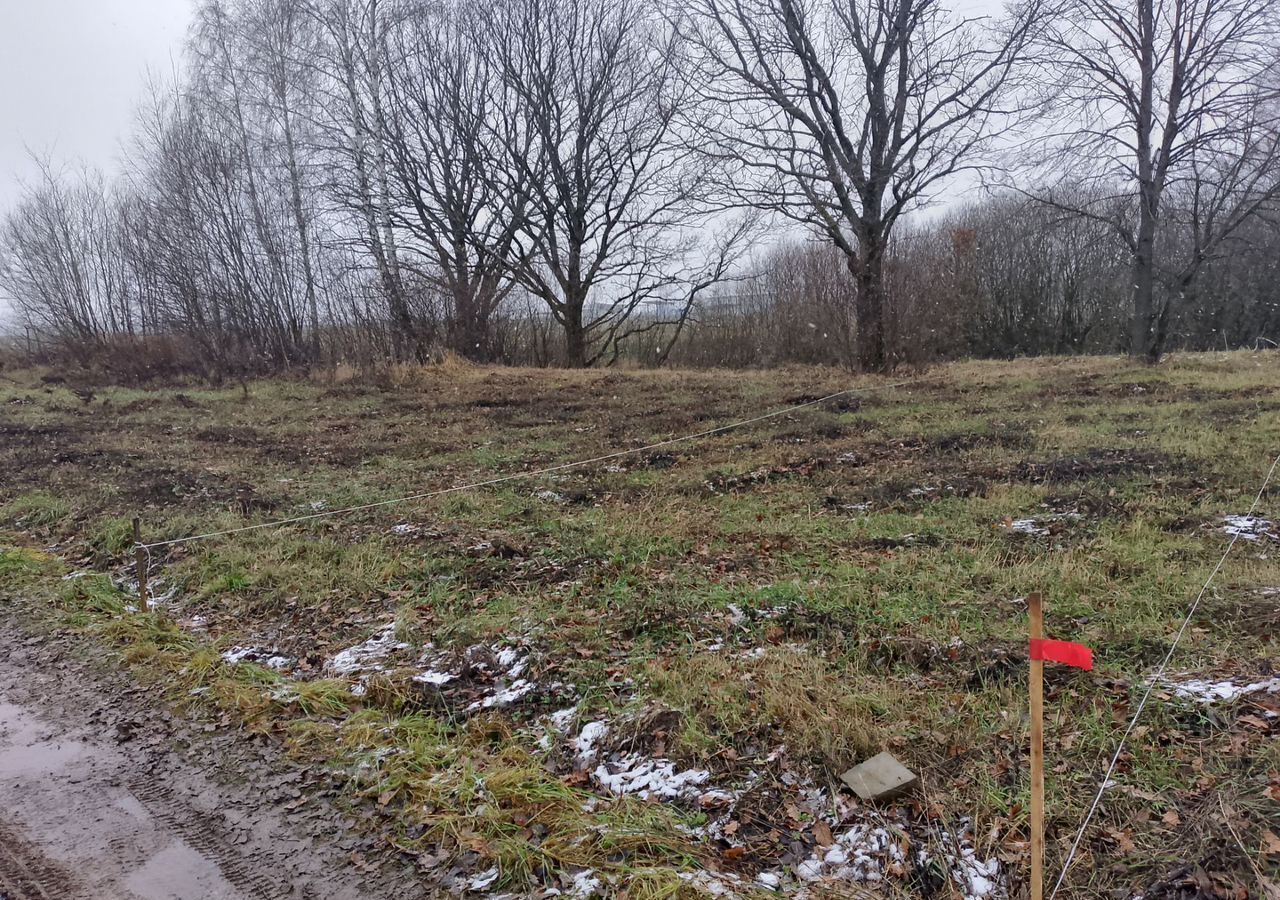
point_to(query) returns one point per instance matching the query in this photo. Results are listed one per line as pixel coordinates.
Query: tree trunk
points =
(869, 303)
(1142, 342)
(1142, 337)
(575, 336)
(468, 330)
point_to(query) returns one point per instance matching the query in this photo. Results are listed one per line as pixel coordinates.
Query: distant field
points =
(646, 675)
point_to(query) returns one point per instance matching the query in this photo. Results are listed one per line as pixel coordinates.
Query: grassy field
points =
(644, 677)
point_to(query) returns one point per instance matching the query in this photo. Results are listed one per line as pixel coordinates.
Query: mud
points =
(103, 793)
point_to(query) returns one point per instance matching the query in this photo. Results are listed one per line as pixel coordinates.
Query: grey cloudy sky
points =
(71, 75)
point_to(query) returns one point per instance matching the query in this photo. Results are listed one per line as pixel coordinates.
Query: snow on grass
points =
(585, 743)
(368, 656)
(1249, 528)
(268, 658)
(496, 671)
(869, 853)
(1207, 692)
(714, 884)
(585, 884)
(484, 880)
(649, 778)
(635, 774)
(1041, 525)
(504, 696)
(433, 677)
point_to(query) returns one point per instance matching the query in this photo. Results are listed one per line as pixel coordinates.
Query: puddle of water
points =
(25, 751)
(179, 873)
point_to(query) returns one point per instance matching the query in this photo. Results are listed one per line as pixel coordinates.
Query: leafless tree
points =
(354, 64)
(60, 259)
(439, 96)
(1166, 114)
(586, 124)
(846, 114)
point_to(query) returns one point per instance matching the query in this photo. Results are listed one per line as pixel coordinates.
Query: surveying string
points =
(515, 476)
(1151, 684)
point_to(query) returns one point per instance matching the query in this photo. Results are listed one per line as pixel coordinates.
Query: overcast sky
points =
(72, 73)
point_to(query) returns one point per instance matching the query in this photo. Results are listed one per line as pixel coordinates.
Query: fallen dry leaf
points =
(1171, 818)
(1270, 843)
(1121, 839)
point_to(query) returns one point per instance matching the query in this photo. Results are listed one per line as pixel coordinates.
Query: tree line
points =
(714, 182)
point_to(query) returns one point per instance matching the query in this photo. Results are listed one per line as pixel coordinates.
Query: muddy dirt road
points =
(104, 795)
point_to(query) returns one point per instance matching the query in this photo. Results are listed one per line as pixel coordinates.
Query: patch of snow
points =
(562, 718)
(585, 884)
(869, 853)
(976, 877)
(585, 743)
(268, 658)
(1250, 528)
(369, 655)
(504, 697)
(1222, 691)
(505, 684)
(650, 778)
(716, 884)
(430, 676)
(1039, 526)
(771, 880)
(484, 880)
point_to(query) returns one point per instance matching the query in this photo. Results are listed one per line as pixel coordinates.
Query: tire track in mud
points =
(25, 874)
(181, 811)
(209, 838)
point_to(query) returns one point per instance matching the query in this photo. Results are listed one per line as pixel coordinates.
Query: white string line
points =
(1151, 685)
(515, 476)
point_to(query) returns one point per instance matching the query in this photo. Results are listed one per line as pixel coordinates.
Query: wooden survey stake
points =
(1039, 650)
(140, 563)
(1036, 681)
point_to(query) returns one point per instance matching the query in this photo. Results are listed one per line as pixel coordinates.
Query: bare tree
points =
(437, 137)
(1167, 117)
(846, 114)
(60, 259)
(279, 36)
(353, 61)
(586, 125)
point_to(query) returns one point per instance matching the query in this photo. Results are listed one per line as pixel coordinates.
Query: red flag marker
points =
(1064, 652)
